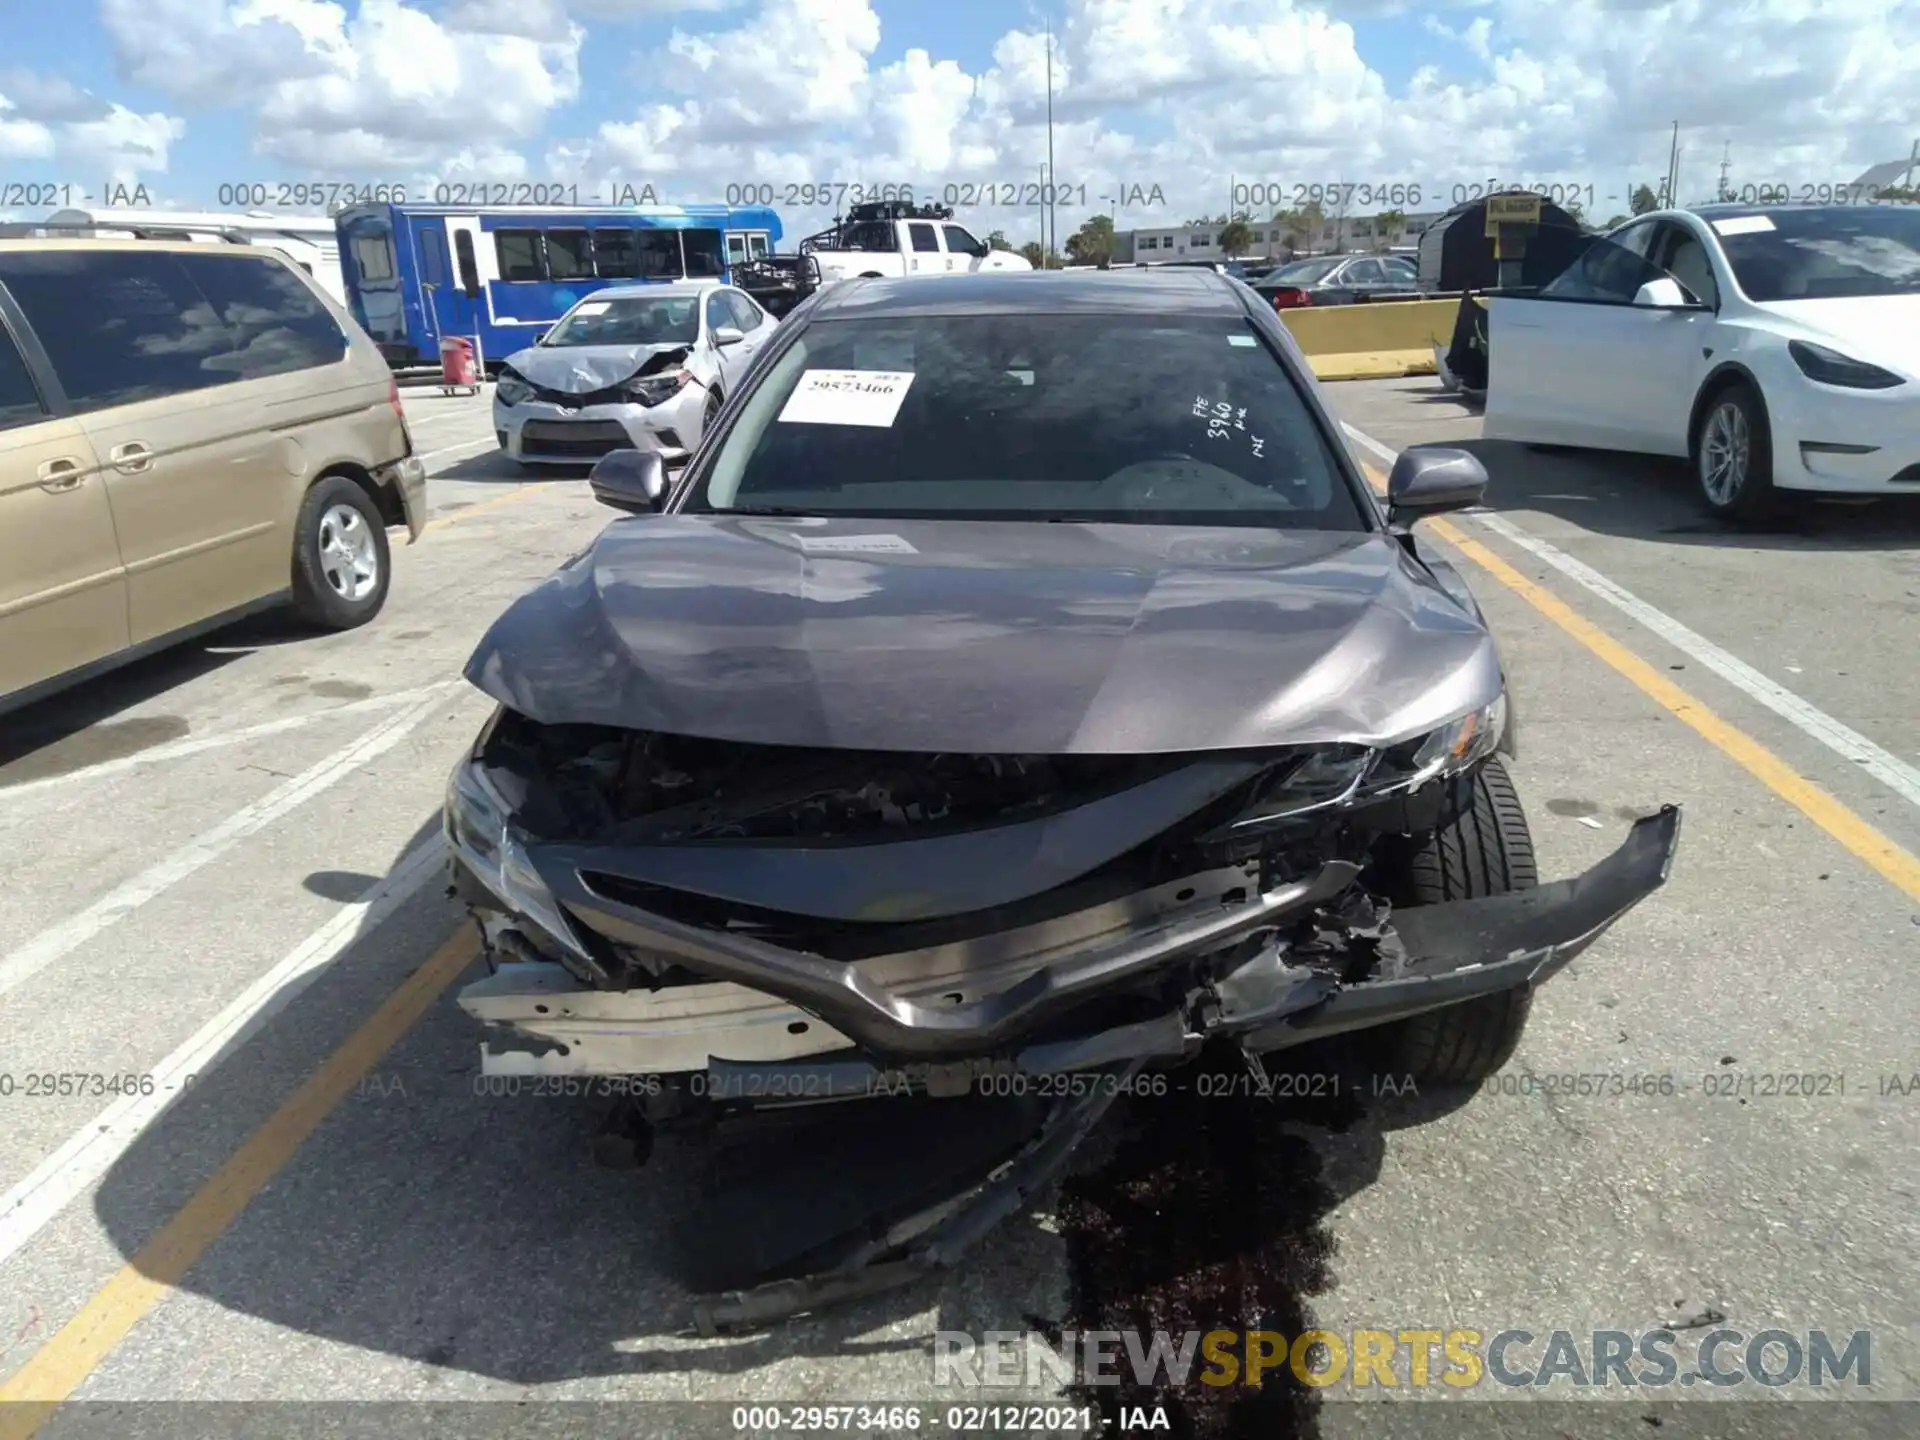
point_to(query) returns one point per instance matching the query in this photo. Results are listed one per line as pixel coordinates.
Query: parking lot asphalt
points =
(224, 866)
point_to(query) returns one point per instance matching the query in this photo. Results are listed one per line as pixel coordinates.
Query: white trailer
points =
(307, 240)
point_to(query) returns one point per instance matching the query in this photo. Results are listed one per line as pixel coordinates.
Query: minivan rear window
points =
(278, 325)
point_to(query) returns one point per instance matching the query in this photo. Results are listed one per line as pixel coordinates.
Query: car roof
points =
(1191, 290)
(131, 244)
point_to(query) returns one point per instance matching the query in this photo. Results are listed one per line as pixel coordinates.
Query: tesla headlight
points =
(512, 390)
(480, 829)
(1830, 367)
(657, 389)
(1455, 746)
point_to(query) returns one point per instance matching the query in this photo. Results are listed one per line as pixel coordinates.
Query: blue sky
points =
(182, 96)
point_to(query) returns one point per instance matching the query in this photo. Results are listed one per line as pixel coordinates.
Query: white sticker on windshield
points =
(847, 397)
(1243, 340)
(855, 545)
(1744, 225)
(594, 307)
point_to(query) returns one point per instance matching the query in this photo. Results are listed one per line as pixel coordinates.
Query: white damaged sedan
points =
(640, 367)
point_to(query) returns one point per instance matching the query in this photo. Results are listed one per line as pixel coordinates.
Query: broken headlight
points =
(480, 829)
(1457, 745)
(511, 390)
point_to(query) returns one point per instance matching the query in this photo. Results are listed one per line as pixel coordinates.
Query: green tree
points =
(1900, 194)
(1235, 237)
(1388, 226)
(1092, 243)
(1035, 256)
(1643, 199)
(997, 240)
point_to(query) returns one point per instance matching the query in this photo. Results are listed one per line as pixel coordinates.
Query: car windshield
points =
(1101, 417)
(630, 320)
(1305, 272)
(1823, 254)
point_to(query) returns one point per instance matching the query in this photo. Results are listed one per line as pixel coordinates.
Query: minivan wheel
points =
(1733, 455)
(340, 556)
(1486, 849)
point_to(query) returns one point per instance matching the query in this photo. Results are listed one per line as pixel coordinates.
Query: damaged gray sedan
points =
(1021, 692)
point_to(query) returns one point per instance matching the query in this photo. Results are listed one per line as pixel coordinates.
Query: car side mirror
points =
(631, 480)
(728, 335)
(1432, 480)
(1662, 294)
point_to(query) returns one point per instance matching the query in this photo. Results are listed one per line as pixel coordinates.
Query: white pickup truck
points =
(898, 238)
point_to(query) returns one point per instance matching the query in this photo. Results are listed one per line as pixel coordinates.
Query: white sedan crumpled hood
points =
(1879, 329)
(583, 369)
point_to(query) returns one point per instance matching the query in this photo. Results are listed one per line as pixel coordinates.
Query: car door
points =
(1556, 371)
(63, 590)
(1402, 277)
(1363, 279)
(924, 255)
(195, 474)
(751, 321)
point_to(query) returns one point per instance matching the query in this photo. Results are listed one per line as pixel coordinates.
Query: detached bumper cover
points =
(1432, 956)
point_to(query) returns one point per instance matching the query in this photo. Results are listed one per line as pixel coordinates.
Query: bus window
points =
(659, 254)
(757, 244)
(614, 254)
(433, 257)
(706, 253)
(518, 252)
(373, 254)
(736, 249)
(469, 266)
(568, 255)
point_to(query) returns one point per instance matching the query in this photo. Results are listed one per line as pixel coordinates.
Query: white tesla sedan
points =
(1778, 348)
(643, 367)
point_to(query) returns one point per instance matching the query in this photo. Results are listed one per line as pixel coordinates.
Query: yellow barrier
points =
(1376, 341)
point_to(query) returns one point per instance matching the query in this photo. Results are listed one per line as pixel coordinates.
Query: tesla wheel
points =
(1733, 455)
(340, 557)
(1486, 849)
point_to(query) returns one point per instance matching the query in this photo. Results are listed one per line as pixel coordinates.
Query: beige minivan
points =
(188, 432)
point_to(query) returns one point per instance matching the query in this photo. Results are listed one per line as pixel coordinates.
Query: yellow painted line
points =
(1889, 859)
(29, 1397)
(520, 493)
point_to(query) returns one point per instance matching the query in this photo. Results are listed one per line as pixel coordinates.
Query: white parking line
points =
(1856, 749)
(96, 1146)
(432, 455)
(220, 740)
(70, 934)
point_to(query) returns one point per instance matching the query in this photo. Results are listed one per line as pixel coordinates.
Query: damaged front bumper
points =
(776, 1021)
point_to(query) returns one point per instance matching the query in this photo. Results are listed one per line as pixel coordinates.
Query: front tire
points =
(341, 563)
(1733, 455)
(1485, 849)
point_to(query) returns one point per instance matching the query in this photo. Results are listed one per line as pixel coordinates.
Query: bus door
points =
(376, 288)
(465, 304)
(444, 305)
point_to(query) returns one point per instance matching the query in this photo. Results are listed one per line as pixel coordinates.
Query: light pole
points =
(1046, 191)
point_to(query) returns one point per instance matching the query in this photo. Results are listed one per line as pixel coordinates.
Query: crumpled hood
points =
(989, 637)
(583, 369)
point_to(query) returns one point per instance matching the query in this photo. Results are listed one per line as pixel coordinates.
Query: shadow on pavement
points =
(469, 1232)
(1645, 497)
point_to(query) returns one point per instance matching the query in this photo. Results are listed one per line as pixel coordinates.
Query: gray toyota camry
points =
(1020, 694)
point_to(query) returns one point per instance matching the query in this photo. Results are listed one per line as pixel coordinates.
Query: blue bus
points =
(414, 273)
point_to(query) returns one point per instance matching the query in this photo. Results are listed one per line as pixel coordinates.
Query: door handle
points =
(131, 458)
(59, 476)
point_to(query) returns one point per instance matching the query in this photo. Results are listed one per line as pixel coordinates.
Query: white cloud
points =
(20, 138)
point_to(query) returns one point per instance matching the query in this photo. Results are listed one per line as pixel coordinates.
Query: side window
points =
(923, 237)
(568, 255)
(433, 256)
(615, 257)
(1401, 272)
(736, 248)
(373, 254)
(1364, 272)
(277, 324)
(1612, 269)
(20, 402)
(518, 252)
(746, 314)
(960, 241)
(469, 265)
(120, 326)
(757, 245)
(718, 313)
